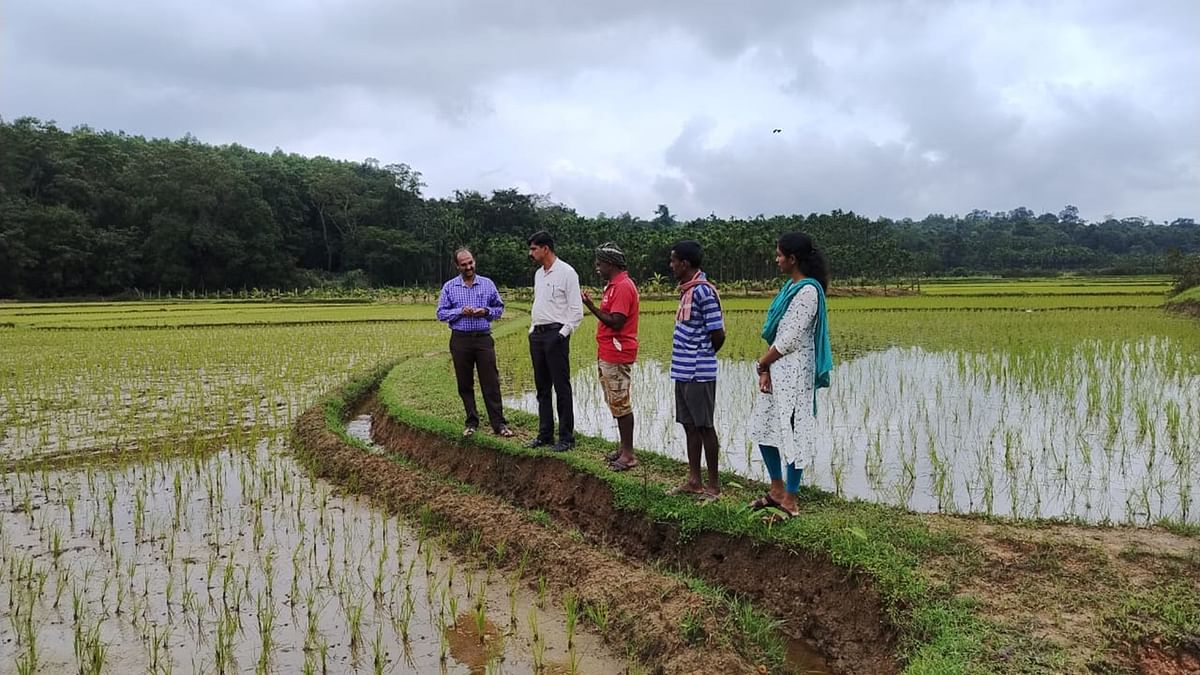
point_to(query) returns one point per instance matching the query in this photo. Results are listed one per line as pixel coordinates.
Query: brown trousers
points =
(471, 353)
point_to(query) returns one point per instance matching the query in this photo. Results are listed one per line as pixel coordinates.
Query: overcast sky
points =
(893, 108)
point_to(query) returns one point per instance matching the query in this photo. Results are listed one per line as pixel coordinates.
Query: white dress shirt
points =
(556, 297)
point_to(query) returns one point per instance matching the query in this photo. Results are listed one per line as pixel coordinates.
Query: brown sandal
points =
(618, 465)
(779, 515)
(764, 502)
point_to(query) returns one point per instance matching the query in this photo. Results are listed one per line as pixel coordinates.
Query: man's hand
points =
(473, 311)
(587, 298)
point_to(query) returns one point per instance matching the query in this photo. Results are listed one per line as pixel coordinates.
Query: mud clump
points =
(1154, 658)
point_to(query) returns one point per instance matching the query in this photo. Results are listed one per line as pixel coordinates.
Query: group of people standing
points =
(796, 362)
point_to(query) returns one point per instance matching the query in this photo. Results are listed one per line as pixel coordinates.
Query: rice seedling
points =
(539, 653)
(479, 615)
(571, 607)
(378, 655)
(598, 614)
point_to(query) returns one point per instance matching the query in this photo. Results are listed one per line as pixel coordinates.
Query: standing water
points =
(1102, 433)
(238, 562)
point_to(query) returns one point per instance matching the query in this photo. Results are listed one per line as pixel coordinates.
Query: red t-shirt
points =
(620, 297)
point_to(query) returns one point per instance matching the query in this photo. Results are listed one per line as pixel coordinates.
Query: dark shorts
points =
(695, 403)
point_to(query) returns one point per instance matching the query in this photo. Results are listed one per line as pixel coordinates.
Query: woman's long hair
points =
(809, 257)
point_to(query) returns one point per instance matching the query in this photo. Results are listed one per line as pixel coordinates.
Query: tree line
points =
(86, 212)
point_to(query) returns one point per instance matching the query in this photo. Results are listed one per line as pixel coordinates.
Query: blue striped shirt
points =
(692, 356)
(457, 295)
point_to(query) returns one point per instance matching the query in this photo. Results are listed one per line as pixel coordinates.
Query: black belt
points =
(547, 327)
(471, 333)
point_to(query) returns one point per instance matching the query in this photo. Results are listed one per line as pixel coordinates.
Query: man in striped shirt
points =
(699, 335)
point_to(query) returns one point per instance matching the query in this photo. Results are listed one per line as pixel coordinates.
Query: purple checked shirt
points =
(456, 295)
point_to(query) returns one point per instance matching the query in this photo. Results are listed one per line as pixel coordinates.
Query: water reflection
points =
(1103, 433)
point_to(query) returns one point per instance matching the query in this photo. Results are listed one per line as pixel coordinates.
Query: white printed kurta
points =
(792, 384)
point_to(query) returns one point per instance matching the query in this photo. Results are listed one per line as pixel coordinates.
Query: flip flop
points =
(764, 502)
(618, 465)
(780, 515)
(506, 432)
(469, 431)
(683, 490)
(707, 497)
(612, 456)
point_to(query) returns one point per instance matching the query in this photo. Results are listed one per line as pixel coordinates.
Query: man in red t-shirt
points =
(617, 345)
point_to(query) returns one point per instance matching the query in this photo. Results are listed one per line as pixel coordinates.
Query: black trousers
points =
(551, 354)
(471, 353)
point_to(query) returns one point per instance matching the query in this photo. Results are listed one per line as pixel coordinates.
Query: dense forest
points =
(87, 213)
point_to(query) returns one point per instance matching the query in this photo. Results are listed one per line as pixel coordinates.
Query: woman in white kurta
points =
(783, 422)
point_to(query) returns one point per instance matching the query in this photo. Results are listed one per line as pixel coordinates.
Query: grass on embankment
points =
(965, 593)
(690, 622)
(939, 632)
(1187, 302)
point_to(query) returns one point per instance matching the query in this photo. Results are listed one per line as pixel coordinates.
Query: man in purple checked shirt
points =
(470, 303)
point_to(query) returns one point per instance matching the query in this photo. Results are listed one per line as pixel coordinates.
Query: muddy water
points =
(239, 562)
(1112, 439)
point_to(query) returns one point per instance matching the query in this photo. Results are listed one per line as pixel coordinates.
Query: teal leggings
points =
(770, 455)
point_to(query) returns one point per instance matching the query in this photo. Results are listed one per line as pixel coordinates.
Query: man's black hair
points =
(689, 251)
(541, 238)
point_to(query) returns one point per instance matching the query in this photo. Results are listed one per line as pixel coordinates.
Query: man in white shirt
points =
(557, 312)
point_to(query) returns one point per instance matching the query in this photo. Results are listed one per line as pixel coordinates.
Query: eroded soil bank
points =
(817, 600)
(1187, 308)
(654, 618)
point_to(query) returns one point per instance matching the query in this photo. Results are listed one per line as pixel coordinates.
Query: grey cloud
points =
(781, 176)
(964, 144)
(364, 73)
(1110, 159)
(423, 47)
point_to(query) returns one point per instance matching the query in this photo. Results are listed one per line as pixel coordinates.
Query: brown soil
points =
(147, 449)
(870, 291)
(1061, 583)
(820, 600)
(1187, 308)
(1161, 660)
(646, 607)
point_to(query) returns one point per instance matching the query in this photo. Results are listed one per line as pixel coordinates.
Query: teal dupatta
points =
(823, 351)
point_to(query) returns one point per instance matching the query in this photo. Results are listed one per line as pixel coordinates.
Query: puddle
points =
(802, 659)
(237, 562)
(1101, 433)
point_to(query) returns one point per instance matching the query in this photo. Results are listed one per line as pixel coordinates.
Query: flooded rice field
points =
(1100, 432)
(237, 562)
